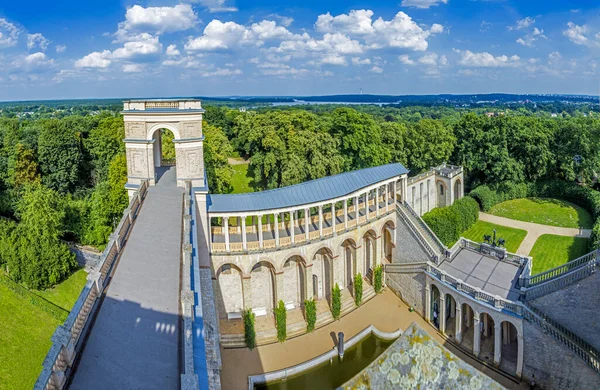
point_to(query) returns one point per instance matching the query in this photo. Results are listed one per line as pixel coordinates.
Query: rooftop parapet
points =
(162, 104)
(448, 171)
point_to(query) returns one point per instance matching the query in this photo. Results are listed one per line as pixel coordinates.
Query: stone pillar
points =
(519, 355)
(276, 223)
(260, 232)
(356, 210)
(497, 344)
(247, 292)
(405, 189)
(428, 302)
(279, 286)
(366, 206)
(244, 238)
(345, 213)
(321, 221)
(226, 232)
(306, 224)
(387, 197)
(377, 193)
(292, 232)
(458, 325)
(394, 191)
(442, 321)
(476, 334)
(333, 217)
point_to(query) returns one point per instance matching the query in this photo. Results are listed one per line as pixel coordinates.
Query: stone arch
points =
(262, 286)
(451, 310)
(441, 190)
(369, 242)
(467, 325)
(457, 189)
(349, 261)
(169, 126)
(294, 280)
(487, 329)
(323, 268)
(434, 306)
(509, 350)
(388, 235)
(231, 292)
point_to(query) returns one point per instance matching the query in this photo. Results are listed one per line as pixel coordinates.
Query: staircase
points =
(424, 234)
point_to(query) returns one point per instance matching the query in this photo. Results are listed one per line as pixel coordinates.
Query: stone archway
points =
(142, 119)
(349, 252)
(294, 281)
(231, 297)
(457, 190)
(442, 193)
(262, 286)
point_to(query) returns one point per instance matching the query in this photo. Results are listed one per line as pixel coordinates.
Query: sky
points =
(160, 48)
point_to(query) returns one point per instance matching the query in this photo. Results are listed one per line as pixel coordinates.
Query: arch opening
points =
(164, 154)
(262, 286)
(509, 347)
(467, 327)
(230, 285)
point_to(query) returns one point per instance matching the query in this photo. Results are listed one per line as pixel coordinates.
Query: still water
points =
(333, 375)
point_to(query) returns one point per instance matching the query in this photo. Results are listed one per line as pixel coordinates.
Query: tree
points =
(59, 156)
(25, 169)
(217, 150)
(104, 143)
(429, 142)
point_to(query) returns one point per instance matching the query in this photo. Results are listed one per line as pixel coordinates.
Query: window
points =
(441, 189)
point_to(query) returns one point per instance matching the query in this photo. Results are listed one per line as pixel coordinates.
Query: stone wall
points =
(550, 364)
(410, 287)
(408, 249)
(231, 281)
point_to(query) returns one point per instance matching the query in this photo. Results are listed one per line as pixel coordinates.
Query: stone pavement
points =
(386, 312)
(534, 230)
(134, 342)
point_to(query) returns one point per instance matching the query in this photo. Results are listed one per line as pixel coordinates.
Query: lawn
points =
(550, 251)
(513, 237)
(65, 294)
(545, 211)
(25, 332)
(240, 181)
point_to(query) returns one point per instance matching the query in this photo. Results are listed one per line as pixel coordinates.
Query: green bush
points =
(281, 321)
(468, 212)
(445, 224)
(358, 289)
(310, 313)
(378, 278)
(336, 302)
(249, 332)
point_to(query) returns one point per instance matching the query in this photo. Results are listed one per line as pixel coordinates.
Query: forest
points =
(62, 179)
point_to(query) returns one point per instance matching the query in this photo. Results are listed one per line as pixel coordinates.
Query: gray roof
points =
(313, 191)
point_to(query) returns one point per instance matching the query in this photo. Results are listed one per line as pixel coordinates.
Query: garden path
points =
(534, 230)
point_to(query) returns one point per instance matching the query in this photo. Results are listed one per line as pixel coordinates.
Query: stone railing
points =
(68, 338)
(440, 246)
(415, 231)
(405, 268)
(584, 262)
(456, 170)
(575, 343)
(167, 104)
(419, 177)
(493, 251)
(477, 294)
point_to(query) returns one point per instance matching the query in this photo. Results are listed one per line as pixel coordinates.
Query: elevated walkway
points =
(134, 343)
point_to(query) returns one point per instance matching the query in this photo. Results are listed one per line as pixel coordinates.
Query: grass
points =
(65, 294)
(513, 237)
(25, 332)
(544, 211)
(241, 181)
(550, 251)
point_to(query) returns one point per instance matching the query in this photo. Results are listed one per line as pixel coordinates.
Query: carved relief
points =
(135, 130)
(136, 163)
(190, 129)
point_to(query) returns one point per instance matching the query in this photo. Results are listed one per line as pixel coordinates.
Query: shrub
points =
(249, 332)
(358, 289)
(445, 224)
(336, 302)
(378, 278)
(281, 320)
(468, 212)
(310, 313)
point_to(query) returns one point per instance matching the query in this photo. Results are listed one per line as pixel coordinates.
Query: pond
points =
(335, 374)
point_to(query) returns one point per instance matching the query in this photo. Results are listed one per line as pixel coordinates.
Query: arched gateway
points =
(143, 121)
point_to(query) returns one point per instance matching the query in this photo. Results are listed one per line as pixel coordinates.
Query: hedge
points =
(336, 302)
(281, 321)
(449, 222)
(53, 310)
(249, 332)
(378, 278)
(358, 289)
(488, 196)
(310, 313)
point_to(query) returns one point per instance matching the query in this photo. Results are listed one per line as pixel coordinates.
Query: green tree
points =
(25, 169)
(217, 150)
(429, 142)
(104, 143)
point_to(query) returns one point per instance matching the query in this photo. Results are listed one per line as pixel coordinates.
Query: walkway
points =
(534, 230)
(386, 312)
(134, 341)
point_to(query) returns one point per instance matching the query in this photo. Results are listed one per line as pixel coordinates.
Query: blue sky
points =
(108, 48)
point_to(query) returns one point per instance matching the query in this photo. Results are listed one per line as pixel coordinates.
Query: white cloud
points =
(376, 69)
(133, 68)
(406, 60)
(485, 59)
(9, 33)
(332, 43)
(577, 34)
(429, 59)
(217, 6)
(61, 48)
(98, 60)
(334, 59)
(172, 51)
(222, 72)
(358, 61)
(355, 22)
(37, 60)
(219, 36)
(38, 40)
(436, 28)
(158, 19)
(145, 45)
(422, 3)
(523, 23)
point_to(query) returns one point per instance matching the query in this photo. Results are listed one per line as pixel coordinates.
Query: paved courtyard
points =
(134, 341)
(489, 274)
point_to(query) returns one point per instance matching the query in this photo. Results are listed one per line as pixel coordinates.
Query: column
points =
(442, 313)
(519, 355)
(260, 232)
(428, 302)
(367, 206)
(226, 231)
(497, 343)
(387, 197)
(458, 325)
(356, 209)
(377, 194)
(321, 221)
(405, 189)
(247, 292)
(333, 217)
(306, 222)
(394, 191)
(276, 223)
(244, 238)
(476, 334)
(345, 213)
(292, 232)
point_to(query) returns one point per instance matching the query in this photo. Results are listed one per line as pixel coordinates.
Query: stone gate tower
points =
(143, 121)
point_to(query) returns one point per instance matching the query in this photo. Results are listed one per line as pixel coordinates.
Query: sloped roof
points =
(313, 191)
